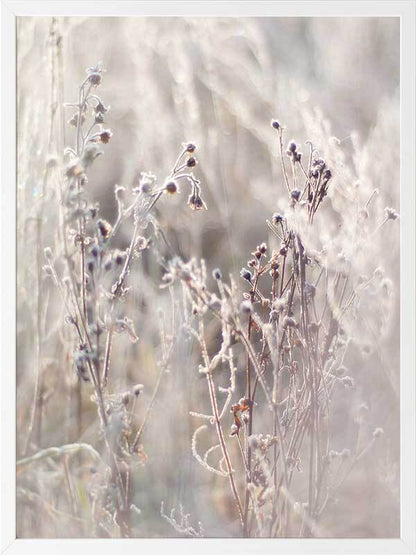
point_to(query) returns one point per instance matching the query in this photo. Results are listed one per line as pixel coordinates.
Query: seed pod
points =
(245, 274)
(137, 389)
(126, 398)
(277, 218)
(295, 194)
(95, 78)
(171, 187)
(105, 136)
(246, 307)
(190, 147)
(216, 274)
(289, 322)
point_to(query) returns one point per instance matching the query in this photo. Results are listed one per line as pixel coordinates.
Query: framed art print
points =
(208, 277)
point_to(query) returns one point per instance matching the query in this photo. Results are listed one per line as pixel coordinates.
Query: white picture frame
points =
(10, 10)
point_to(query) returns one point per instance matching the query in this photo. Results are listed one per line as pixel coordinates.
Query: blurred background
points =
(216, 82)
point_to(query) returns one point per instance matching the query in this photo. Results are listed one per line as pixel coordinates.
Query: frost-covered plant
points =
(293, 328)
(92, 277)
(218, 81)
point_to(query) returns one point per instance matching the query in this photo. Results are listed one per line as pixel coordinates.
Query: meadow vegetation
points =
(208, 278)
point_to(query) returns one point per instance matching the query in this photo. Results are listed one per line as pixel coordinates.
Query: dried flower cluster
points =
(290, 327)
(92, 276)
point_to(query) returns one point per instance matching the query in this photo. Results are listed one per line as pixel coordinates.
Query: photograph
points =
(208, 277)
